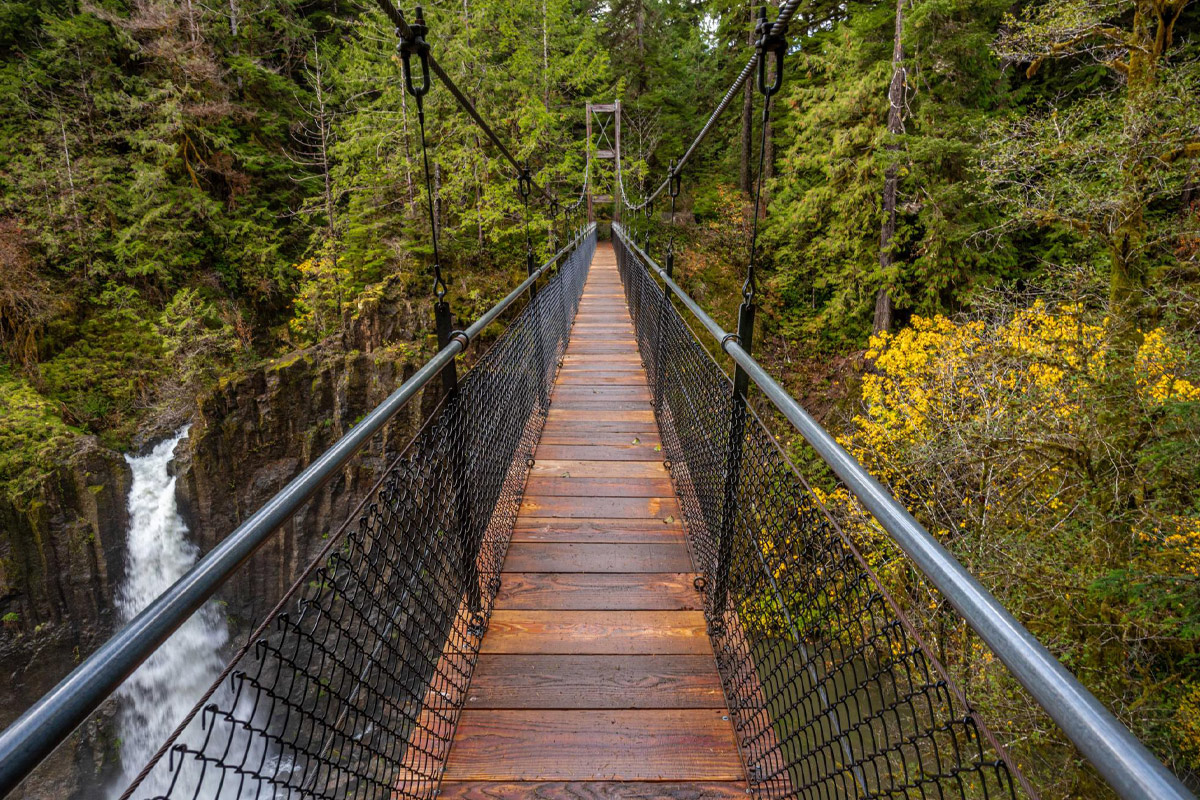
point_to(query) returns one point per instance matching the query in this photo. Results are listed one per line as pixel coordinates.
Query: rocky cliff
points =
(62, 558)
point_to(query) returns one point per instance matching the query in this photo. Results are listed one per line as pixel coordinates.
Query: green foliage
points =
(105, 377)
(1064, 479)
(1108, 157)
(195, 339)
(824, 227)
(321, 300)
(33, 436)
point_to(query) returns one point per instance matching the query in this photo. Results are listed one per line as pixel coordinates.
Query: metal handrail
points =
(1120, 757)
(45, 725)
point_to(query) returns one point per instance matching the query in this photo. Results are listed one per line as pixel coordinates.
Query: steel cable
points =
(778, 28)
(404, 30)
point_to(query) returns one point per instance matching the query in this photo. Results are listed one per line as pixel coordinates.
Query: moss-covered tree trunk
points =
(884, 306)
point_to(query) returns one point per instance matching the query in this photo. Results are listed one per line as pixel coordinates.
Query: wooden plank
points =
(599, 469)
(611, 377)
(588, 591)
(559, 435)
(543, 681)
(642, 451)
(597, 632)
(602, 390)
(580, 360)
(625, 531)
(634, 427)
(645, 415)
(593, 373)
(604, 349)
(652, 744)
(599, 403)
(639, 430)
(627, 341)
(597, 557)
(577, 390)
(545, 486)
(592, 790)
(599, 389)
(583, 507)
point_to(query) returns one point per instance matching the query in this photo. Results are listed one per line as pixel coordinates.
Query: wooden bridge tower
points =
(604, 144)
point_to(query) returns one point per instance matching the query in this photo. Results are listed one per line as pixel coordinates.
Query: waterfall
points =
(154, 700)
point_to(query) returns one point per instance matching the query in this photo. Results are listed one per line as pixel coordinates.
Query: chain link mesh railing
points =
(352, 687)
(832, 691)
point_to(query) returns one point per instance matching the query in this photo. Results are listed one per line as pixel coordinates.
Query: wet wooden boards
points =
(596, 679)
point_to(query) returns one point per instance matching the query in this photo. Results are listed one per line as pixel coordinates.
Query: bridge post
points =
(733, 472)
(525, 188)
(673, 186)
(414, 44)
(460, 478)
(768, 42)
(591, 211)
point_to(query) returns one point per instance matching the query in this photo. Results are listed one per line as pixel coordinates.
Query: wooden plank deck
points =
(596, 679)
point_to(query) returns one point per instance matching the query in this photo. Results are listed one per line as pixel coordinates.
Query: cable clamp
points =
(674, 180)
(730, 337)
(415, 43)
(460, 336)
(748, 286)
(773, 43)
(525, 182)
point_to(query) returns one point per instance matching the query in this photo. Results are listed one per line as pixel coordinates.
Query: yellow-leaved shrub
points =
(1057, 460)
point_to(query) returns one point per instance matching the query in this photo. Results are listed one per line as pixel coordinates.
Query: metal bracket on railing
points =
(443, 322)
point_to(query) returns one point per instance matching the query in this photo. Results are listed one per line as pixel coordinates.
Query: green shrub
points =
(33, 437)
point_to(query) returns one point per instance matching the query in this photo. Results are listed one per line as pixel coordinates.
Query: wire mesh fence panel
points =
(352, 687)
(833, 693)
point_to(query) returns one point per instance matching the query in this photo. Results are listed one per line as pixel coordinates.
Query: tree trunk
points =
(769, 161)
(884, 307)
(1128, 277)
(744, 176)
(408, 179)
(83, 250)
(545, 59)
(235, 20)
(475, 131)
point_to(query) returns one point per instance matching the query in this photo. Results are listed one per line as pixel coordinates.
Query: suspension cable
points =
(404, 31)
(414, 43)
(778, 28)
(770, 41)
(525, 188)
(674, 183)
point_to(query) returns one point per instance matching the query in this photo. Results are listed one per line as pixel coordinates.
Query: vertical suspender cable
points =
(769, 42)
(414, 43)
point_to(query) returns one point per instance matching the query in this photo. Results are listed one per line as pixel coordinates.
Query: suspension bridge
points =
(593, 573)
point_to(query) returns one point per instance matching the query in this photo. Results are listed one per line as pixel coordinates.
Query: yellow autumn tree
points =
(1064, 477)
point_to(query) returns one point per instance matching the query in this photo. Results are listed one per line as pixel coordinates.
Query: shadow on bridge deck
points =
(596, 678)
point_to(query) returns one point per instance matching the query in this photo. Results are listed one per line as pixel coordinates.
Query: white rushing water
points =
(154, 700)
